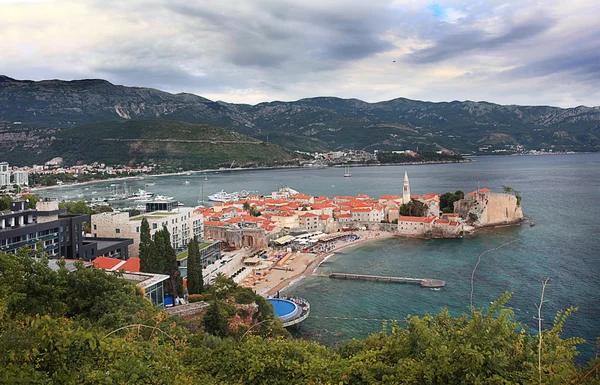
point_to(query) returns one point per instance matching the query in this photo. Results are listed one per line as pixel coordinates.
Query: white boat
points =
(347, 172)
(142, 195)
(223, 196)
(186, 182)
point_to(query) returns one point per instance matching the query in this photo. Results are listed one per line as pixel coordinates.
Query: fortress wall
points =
(500, 209)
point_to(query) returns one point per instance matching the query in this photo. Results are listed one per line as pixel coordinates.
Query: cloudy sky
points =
(508, 52)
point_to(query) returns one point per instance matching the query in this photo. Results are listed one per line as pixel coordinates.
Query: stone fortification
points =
(490, 209)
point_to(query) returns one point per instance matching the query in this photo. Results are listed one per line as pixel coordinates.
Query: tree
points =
(5, 202)
(246, 206)
(134, 212)
(447, 200)
(195, 281)
(510, 190)
(104, 209)
(414, 208)
(167, 258)
(215, 318)
(147, 250)
(32, 200)
(79, 207)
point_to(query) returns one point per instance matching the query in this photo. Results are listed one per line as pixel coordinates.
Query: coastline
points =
(41, 188)
(311, 267)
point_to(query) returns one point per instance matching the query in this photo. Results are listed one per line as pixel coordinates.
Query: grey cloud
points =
(584, 63)
(280, 32)
(476, 40)
(280, 49)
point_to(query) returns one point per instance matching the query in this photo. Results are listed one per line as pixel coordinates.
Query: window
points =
(118, 231)
(137, 229)
(154, 225)
(95, 227)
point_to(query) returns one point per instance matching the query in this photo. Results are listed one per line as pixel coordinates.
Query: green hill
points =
(168, 143)
(312, 124)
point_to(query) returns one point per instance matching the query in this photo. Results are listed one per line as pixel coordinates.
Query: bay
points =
(561, 194)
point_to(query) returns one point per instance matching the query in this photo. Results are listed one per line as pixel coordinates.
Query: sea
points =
(561, 195)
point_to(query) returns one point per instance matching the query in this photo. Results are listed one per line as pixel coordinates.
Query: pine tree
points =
(147, 252)
(168, 261)
(195, 282)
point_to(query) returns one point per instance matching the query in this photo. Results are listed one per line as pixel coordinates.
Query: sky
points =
(243, 51)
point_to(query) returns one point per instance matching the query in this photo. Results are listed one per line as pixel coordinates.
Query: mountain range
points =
(313, 124)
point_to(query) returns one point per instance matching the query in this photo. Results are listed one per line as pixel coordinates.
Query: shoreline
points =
(213, 170)
(319, 259)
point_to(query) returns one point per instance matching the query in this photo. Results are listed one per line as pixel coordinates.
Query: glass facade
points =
(156, 295)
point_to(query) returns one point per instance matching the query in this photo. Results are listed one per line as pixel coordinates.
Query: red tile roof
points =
(132, 265)
(106, 263)
(416, 219)
(481, 190)
(391, 197)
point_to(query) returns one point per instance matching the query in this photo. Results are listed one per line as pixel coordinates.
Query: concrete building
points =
(310, 221)
(183, 224)
(415, 226)
(61, 234)
(21, 178)
(4, 174)
(210, 253)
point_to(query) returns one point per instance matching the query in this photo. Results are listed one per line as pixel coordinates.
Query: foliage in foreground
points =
(75, 328)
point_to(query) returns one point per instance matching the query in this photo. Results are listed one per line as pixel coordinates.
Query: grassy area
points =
(184, 254)
(147, 217)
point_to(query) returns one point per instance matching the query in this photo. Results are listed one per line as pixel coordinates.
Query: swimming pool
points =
(285, 309)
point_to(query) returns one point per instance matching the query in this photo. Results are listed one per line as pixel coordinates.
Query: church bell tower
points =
(406, 189)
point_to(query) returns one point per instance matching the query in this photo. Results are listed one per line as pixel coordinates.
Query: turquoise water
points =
(561, 194)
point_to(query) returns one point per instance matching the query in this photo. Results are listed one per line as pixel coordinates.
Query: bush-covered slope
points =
(168, 143)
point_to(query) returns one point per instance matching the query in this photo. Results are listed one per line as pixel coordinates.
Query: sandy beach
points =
(292, 267)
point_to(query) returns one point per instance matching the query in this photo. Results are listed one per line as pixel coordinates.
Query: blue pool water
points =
(283, 308)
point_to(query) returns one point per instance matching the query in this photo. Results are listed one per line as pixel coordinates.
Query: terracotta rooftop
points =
(416, 219)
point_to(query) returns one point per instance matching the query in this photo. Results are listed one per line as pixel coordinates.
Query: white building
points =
(21, 178)
(183, 224)
(4, 174)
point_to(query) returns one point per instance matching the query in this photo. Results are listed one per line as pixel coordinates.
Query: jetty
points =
(424, 282)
